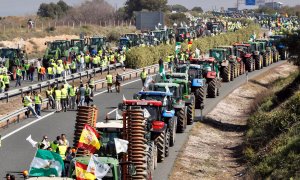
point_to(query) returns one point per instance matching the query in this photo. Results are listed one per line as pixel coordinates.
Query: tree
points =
(138, 5)
(177, 8)
(53, 10)
(197, 9)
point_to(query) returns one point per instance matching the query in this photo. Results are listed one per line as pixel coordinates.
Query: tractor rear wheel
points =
(190, 113)
(199, 97)
(181, 120)
(265, 60)
(161, 147)
(211, 88)
(226, 73)
(249, 64)
(173, 131)
(232, 69)
(257, 62)
(167, 145)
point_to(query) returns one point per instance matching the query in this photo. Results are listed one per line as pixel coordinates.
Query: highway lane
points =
(16, 153)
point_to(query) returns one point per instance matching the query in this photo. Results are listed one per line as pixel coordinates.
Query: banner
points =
(250, 2)
(97, 167)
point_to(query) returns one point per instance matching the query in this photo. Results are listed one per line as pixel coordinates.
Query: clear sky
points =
(26, 7)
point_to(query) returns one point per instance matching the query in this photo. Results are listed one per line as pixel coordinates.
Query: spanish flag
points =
(89, 139)
(81, 173)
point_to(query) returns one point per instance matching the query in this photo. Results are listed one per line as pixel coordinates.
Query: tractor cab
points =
(78, 45)
(181, 68)
(149, 40)
(241, 49)
(164, 97)
(158, 36)
(124, 43)
(97, 43)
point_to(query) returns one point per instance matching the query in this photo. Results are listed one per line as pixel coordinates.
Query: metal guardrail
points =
(126, 75)
(41, 85)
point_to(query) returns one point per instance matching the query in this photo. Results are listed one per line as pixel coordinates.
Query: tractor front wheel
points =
(173, 131)
(190, 113)
(181, 120)
(161, 147)
(199, 97)
(212, 88)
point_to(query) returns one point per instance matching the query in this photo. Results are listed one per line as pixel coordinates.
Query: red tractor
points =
(243, 51)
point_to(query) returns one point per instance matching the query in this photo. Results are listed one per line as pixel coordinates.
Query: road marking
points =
(112, 111)
(17, 130)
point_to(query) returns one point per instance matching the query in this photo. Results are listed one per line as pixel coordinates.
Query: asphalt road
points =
(16, 153)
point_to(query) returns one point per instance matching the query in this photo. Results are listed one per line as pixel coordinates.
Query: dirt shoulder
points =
(214, 147)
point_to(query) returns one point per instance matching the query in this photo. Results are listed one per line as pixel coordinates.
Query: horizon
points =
(30, 7)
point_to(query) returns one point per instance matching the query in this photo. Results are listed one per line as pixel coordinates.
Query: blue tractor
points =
(167, 111)
(197, 84)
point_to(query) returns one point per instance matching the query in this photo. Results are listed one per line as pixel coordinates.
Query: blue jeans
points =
(18, 81)
(30, 108)
(31, 76)
(38, 109)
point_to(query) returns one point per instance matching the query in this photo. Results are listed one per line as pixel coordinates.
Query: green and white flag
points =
(46, 163)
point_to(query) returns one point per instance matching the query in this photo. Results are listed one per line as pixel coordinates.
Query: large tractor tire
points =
(212, 88)
(181, 120)
(173, 131)
(226, 73)
(232, 70)
(265, 60)
(237, 70)
(190, 113)
(249, 65)
(199, 97)
(161, 147)
(257, 62)
(151, 159)
(167, 145)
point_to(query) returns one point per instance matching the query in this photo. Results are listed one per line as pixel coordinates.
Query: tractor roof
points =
(240, 44)
(177, 74)
(155, 93)
(117, 124)
(209, 59)
(218, 49)
(142, 102)
(225, 47)
(166, 84)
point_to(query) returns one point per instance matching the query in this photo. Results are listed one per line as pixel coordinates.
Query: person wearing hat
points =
(45, 143)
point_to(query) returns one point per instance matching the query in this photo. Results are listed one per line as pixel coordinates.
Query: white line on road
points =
(17, 130)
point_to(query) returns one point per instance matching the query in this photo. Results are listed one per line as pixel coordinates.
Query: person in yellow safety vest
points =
(73, 67)
(26, 67)
(182, 57)
(72, 94)
(50, 72)
(87, 94)
(2, 85)
(109, 81)
(19, 76)
(143, 76)
(100, 52)
(112, 59)
(95, 61)
(6, 80)
(62, 149)
(37, 102)
(49, 95)
(64, 98)
(27, 102)
(67, 68)
(87, 61)
(59, 62)
(57, 97)
(59, 71)
(122, 60)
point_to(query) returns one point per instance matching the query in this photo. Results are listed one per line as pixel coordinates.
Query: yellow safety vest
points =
(143, 75)
(57, 94)
(64, 93)
(49, 92)
(19, 72)
(37, 99)
(59, 70)
(73, 91)
(62, 151)
(5, 79)
(50, 70)
(109, 78)
(2, 85)
(92, 83)
(86, 59)
(27, 101)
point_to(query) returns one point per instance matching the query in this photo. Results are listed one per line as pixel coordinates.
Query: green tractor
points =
(256, 53)
(186, 94)
(226, 65)
(78, 45)
(11, 58)
(59, 49)
(271, 52)
(97, 43)
(158, 37)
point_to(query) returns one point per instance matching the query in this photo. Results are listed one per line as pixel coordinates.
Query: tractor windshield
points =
(153, 97)
(153, 111)
(8, 53)
(194, 73)
(182, 31)
(124, 42)
(96, 41)
(172, 90)
(181, 69)
(218, 55)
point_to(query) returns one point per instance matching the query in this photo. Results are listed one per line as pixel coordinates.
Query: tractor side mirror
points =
(136, 96)
(121, 106)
